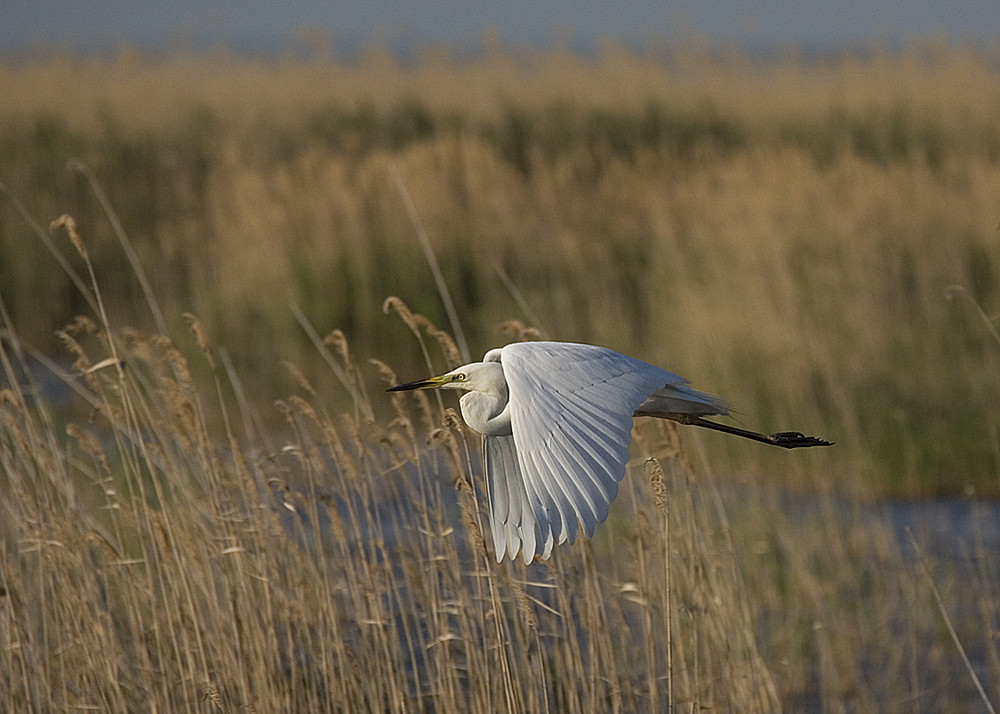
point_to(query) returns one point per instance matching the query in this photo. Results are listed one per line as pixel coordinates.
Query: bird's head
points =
(475, 377)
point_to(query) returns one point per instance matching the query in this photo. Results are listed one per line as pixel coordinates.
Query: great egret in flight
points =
(556, 420)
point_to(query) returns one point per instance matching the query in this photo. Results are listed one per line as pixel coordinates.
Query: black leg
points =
(784, 439)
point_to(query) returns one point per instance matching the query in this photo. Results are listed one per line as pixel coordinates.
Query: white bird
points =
(556, 420)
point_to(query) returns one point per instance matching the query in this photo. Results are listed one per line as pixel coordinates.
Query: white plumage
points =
(556, 420)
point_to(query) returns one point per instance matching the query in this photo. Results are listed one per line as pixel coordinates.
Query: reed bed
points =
(153, 563)
(157, 560)
(209, 505)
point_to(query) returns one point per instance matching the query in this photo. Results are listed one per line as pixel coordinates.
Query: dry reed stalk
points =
(949, 625)
(347, 568)
(439, 280)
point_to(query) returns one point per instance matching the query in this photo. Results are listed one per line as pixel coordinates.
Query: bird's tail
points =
(678, 400)
(683, 404)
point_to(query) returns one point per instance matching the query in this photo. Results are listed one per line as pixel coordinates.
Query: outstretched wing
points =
(571, 410)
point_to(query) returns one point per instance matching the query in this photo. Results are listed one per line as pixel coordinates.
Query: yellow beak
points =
(430, 383)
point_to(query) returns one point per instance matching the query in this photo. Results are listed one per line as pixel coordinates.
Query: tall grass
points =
(152, 563)
(214, 508)
(154, 559)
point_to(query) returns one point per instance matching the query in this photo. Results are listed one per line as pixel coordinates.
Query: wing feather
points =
(602, 486)
(497, 467)
(567, 494)
(571, 410)
(546, 518)
(553, 501)
(586, 464)
(512, 517)
(569, 500)
(609, 437)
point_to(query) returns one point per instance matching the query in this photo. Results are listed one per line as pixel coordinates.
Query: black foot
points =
(795, 440)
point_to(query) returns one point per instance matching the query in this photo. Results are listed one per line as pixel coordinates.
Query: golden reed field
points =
(211, 266)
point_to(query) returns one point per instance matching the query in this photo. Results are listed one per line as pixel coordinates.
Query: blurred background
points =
(795, 205)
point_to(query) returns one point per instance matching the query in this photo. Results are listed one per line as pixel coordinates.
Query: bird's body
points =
(556, 420)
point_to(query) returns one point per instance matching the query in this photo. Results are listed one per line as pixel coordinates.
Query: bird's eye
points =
(459, 377)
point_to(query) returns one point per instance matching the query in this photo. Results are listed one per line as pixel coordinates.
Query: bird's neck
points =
(486, 412)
